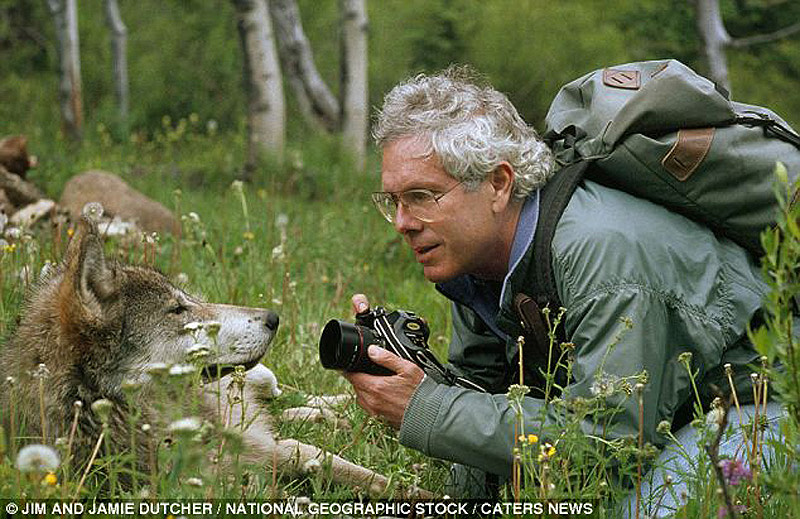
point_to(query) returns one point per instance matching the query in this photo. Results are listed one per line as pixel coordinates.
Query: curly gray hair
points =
(471, 128)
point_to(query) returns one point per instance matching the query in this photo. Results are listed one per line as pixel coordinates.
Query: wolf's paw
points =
(264, 379)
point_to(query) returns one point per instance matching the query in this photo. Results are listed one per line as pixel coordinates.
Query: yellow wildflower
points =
(546, 451)
(532, 438)
(248, 235)
(50, 479)
(70, 232)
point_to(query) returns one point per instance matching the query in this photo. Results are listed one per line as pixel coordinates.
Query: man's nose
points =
(404, 221)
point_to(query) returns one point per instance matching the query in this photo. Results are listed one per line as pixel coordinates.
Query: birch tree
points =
(348, 113)
(318, 105)
(716, 39)
(119, 59)
(353, 77)
(266, 112)
(65, 15)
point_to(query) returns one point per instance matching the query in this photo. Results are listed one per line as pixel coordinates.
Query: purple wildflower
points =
(734, 471)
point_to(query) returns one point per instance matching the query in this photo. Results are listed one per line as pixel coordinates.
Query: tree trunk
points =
(65, 15)
(715, 39)
(316, 101)
(354, 109)
(119, 58)
(266, 113)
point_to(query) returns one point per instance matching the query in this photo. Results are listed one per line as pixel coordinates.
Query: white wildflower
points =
(187, 425)
(179, 370)
(192, 327)
(37, 458)
(197, 351)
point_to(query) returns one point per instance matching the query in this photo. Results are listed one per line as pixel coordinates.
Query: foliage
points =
(184, 57)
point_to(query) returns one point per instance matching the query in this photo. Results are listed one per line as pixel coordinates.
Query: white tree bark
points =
(715, 38)
(119, 58)
(316, 101)
(65, 15)
(354, 104)
(266, 112)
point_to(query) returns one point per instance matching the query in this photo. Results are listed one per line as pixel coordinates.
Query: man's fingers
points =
(360, 303)
(388, 359)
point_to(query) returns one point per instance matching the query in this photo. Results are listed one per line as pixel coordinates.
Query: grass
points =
(300, 240)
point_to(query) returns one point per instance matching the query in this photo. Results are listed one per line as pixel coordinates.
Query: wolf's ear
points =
(94, 281)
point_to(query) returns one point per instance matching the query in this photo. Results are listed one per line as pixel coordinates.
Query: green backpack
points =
(660, 131)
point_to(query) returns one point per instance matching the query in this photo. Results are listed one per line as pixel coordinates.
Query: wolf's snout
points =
(271, 320)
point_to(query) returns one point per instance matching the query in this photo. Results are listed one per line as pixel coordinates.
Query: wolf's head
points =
(116, 321)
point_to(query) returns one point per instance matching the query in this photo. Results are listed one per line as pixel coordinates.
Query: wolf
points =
(93, 327)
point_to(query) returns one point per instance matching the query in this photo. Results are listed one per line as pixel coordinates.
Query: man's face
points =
(467, 235)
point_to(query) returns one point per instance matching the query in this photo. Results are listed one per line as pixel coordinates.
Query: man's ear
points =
(502, 182)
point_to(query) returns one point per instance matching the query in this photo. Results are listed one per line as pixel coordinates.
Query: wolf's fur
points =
(96, 324)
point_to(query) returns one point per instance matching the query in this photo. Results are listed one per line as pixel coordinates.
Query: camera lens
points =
(343, 345)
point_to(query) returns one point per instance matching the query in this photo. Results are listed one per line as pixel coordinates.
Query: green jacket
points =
(614, 256)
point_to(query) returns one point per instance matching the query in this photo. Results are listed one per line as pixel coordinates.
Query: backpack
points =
(662, 132)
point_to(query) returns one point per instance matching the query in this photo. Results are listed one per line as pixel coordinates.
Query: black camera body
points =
(343, 345)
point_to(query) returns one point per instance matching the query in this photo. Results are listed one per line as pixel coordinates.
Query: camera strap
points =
(422, 356)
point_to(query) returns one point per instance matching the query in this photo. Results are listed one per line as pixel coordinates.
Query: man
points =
(461, 176)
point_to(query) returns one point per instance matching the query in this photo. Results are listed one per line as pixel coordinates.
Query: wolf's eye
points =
(178, 309)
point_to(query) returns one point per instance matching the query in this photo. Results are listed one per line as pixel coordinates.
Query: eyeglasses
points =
(423, 204)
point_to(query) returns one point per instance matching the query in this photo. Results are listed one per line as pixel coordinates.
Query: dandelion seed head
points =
(41, 372)
(282, 220)
(37, 458)
(93, 210)
(188, 425)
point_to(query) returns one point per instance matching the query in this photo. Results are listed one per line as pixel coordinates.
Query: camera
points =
(343, 345)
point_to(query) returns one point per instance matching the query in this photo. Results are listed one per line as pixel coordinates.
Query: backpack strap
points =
(553, 198)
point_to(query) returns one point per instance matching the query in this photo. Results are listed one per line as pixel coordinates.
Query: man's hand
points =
(386, 397)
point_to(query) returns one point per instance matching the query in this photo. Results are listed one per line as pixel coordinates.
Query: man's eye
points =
(417, 197)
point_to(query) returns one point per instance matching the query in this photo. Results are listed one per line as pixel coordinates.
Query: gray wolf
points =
(92, 327)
